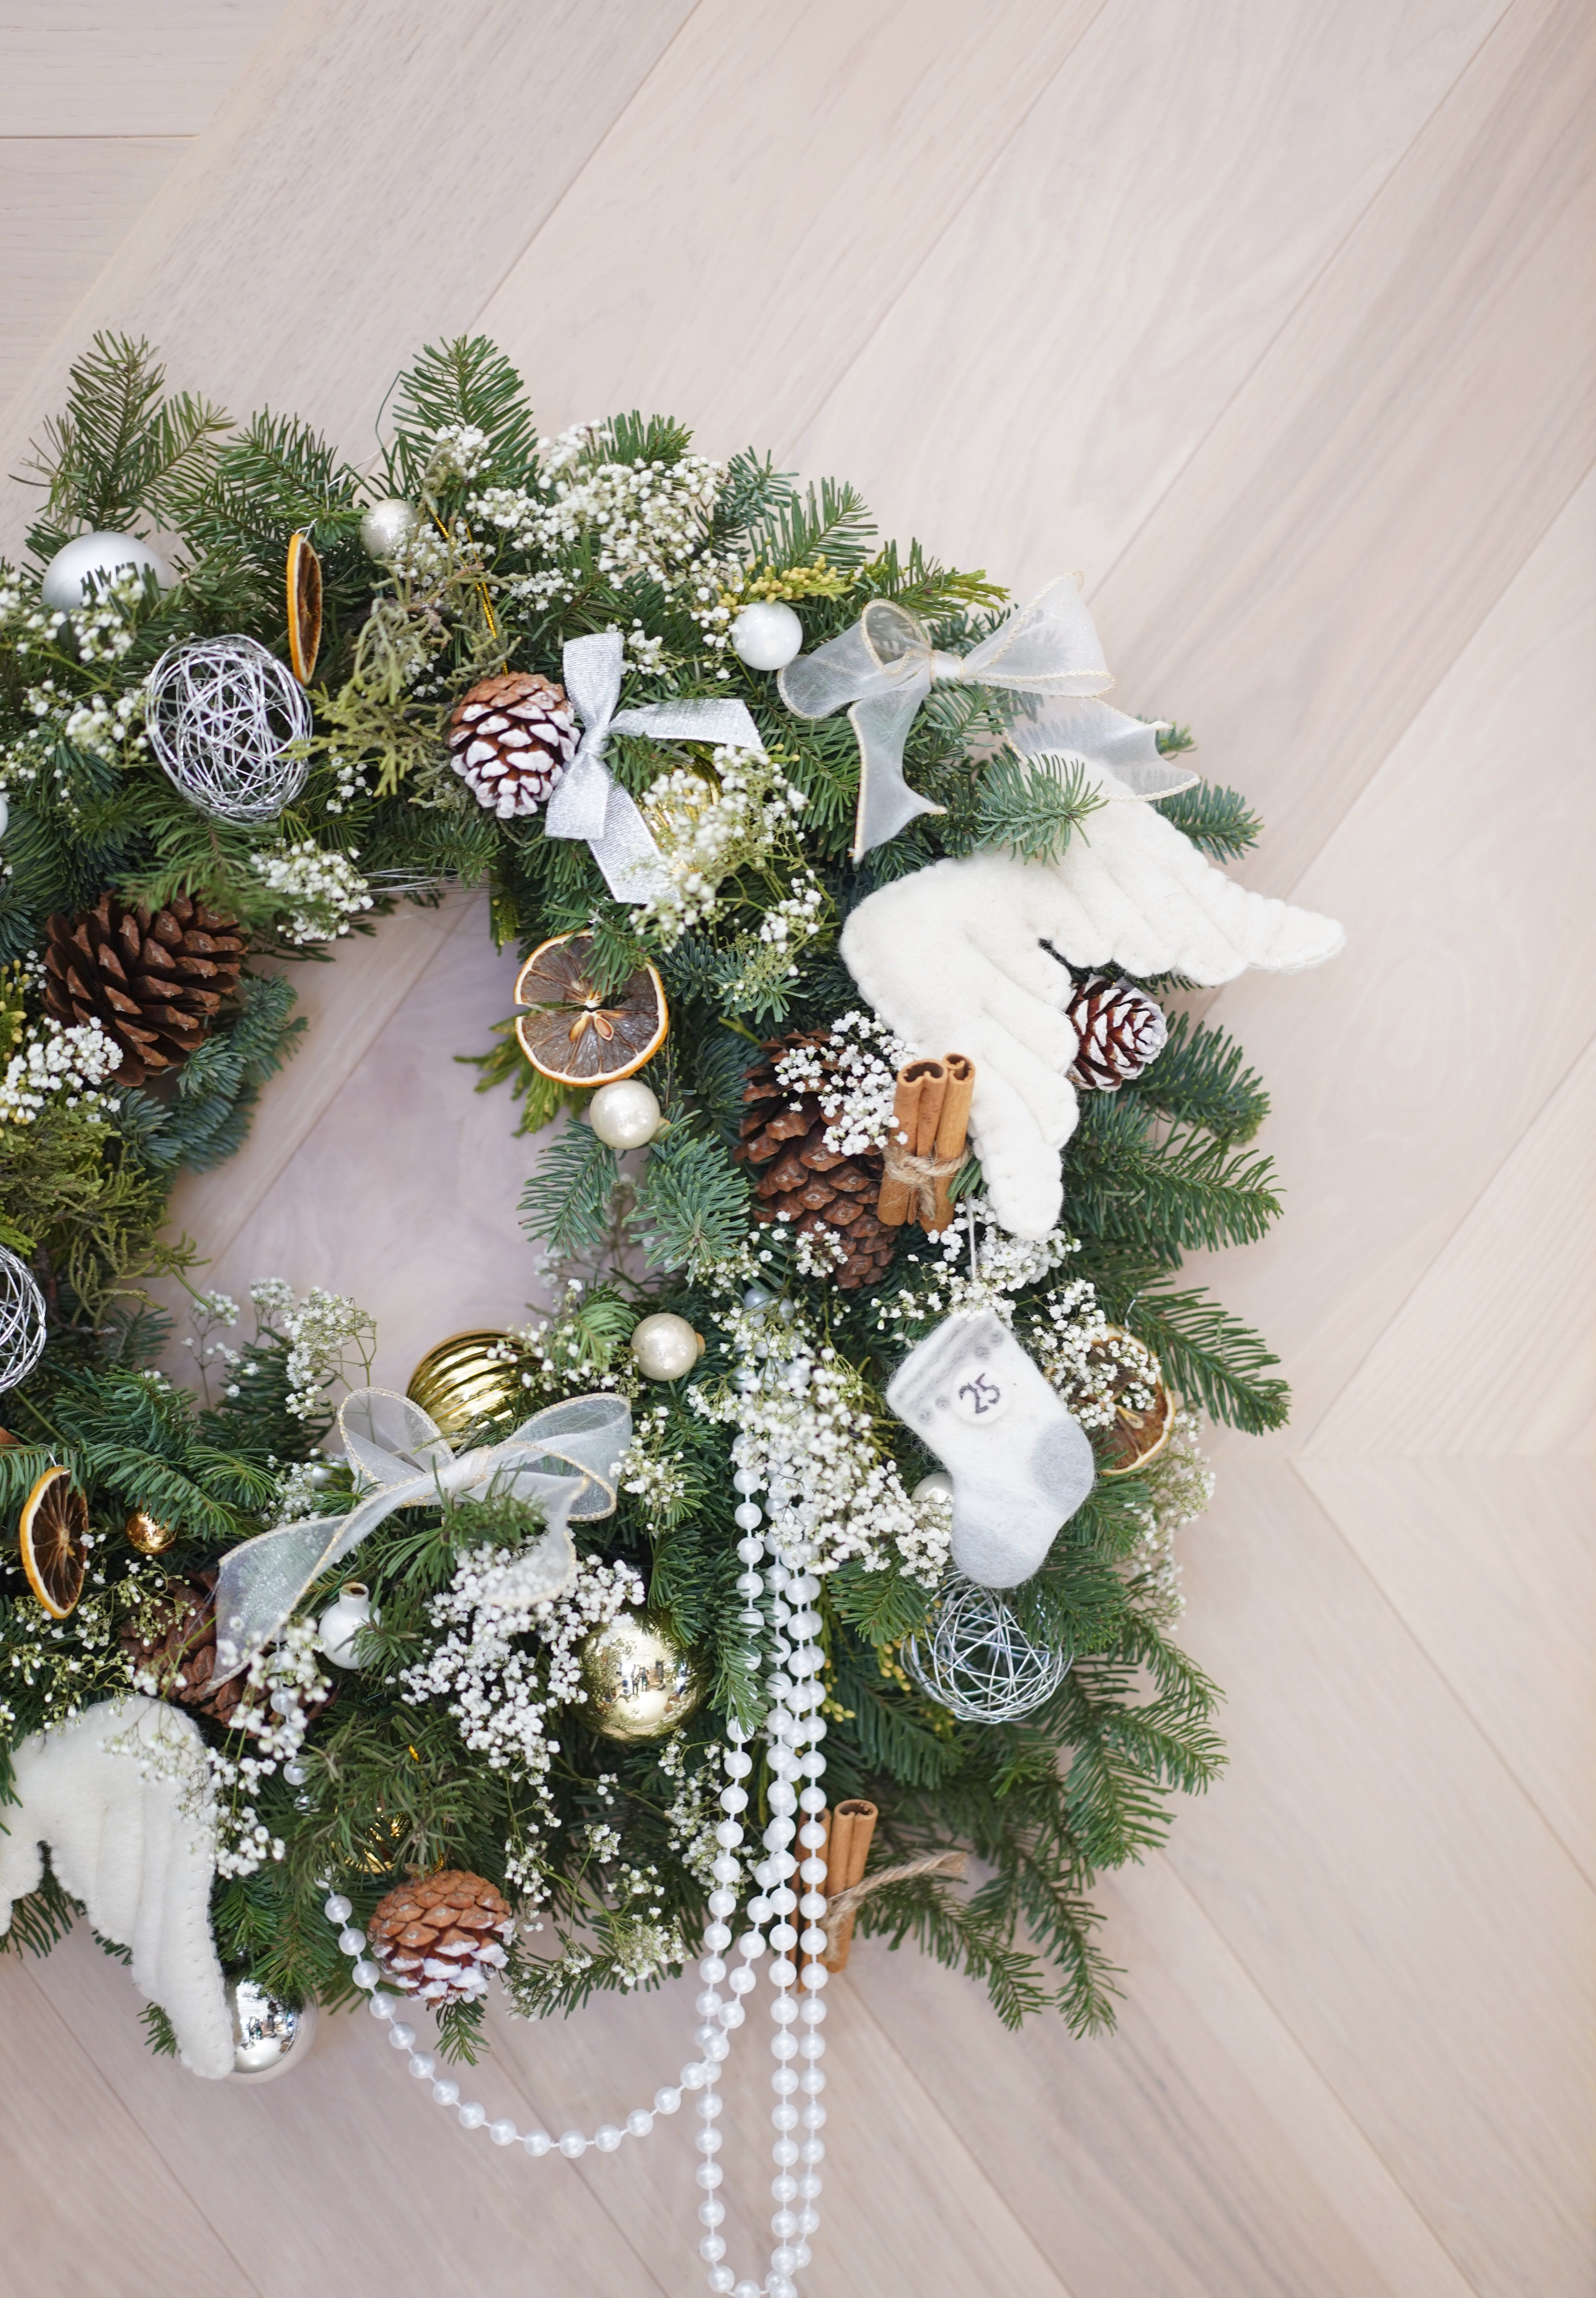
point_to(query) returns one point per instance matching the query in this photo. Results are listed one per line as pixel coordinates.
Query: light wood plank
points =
(1194, 2150)
(1061, 350)
(1494, 1354)
(1490, 1565)
(344, 2172)
(1404, 1073)
(68, 205)
(789, 139)
(1368, 496)
(1384, 1881)
(92, 2201)
(361, 190)
(89, 68)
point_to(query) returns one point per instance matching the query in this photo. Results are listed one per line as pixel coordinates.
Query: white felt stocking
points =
(1021, 1464)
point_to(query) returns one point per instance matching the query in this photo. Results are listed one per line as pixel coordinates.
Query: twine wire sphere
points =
(973, 1658)
(223, 716)
(21, 1320)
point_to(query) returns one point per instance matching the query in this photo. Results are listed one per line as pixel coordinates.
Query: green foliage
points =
(565, 1204)
(470, 384)
(1201, 1078)
(1218, 820)
(1027, 806)
(120, 451)
(1178, 1192)
(691, 1203)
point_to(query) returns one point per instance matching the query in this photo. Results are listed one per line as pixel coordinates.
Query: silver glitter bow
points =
(587, 801)
(399, 1450)
(884, 667)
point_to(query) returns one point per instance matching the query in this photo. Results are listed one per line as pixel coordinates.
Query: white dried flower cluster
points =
(324, 890)
(1180, 1483)
(805, 1427)
(1094, 1365)
(787, 927)
(555, 1353)
(645, 521)
(645, 655)
(962, 1281)
(650, 1473)
(59, 1065)
(501, 1663)
(300, 1492)
(643, 1947)
(25, 621)
(459, 452)
(853, 1077)
(694, 1813)
(322, 1329)
(65, 1670)
(706, 828)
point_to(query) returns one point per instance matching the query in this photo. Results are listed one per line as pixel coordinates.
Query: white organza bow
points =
(884, 667)
(587, 802)
(399, 1449)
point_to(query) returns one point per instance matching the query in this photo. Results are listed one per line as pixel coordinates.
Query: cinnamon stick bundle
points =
(916, 1113)
(849, 1828)
(952, 1131)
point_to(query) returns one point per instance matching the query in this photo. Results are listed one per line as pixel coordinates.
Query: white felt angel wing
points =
(954, 959)
(122, 1795)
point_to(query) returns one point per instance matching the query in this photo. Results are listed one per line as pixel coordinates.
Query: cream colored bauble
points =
(767, 635)
(937, 1485)
(386, 527)
(342, 1620)
(666, 1347)
(103, 557)
(625, 1114)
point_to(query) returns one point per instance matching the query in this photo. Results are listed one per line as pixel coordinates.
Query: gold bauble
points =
(642, 1681)
(147, 1533)
(462, 1381)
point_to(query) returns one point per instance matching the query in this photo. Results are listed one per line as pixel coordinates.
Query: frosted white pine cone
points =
(510, 739)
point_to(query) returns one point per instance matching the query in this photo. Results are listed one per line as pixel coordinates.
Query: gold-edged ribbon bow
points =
(588, 802)
(565, 1457)
(884, 667)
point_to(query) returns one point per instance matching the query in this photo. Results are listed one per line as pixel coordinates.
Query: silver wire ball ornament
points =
(224, 715)
(974, 1658)
(21, 1320)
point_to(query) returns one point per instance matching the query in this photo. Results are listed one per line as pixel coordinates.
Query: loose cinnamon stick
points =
(953, 1130)
(916, 1113)
(847, 1848)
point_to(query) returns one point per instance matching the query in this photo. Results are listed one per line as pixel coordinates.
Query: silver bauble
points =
(22, 1319)
(642, 1681)
(386, 527)
(624, 1113)
(269, 2036)
(974, 1658)
(767, 635)
(103, 557)
(666, 1347)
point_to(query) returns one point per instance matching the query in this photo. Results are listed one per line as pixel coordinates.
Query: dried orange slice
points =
(1138, 1433)
(55, 1552)
(304, 607)
(573, 1034)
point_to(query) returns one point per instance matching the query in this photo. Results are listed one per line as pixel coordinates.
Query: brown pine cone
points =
(179, 1648)
(154, 984)
(442, 1940)
(510, 739)
(820, 1191)
(1119, 1030)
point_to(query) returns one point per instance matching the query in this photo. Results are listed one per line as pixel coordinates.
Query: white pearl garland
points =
(793, 1729)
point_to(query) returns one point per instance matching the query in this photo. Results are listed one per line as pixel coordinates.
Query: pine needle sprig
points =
(119, 450)
(566, 1203)
(1218, 821)
(1202, 1078)
(1187, 1191)
(1030, 808)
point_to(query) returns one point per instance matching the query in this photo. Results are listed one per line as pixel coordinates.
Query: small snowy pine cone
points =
(510, 739)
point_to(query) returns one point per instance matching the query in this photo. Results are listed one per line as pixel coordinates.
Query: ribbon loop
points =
(566, 1457)
(587, 801)
(885, 665)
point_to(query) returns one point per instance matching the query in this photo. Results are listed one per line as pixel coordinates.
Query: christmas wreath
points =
(854, 1444)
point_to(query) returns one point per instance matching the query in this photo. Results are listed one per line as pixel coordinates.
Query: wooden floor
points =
(1277, 320)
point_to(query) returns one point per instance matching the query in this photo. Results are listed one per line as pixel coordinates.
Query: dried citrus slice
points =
(304, 607)
(55, 1552)
(573, 1034)
(1139, 1432)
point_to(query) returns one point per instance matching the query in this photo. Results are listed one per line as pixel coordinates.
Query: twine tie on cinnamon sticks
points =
(848, 1831)
(931, 1122)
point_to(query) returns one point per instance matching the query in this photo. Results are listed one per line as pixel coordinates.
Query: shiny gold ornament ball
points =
(147, 1533)
(642, 1681)
(462, 1381)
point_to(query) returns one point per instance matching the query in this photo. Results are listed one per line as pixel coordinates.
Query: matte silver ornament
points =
(21, 1320)
(269, 2036)
(973, 1658)
(101, 558)
(386, 527)
(226, 719)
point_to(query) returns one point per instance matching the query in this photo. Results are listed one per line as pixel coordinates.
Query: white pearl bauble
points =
(386, 527)
(104, 555)
(767, 635)
(937, 1485)
(624, 1113)
(666, 1347)
(342, 1622)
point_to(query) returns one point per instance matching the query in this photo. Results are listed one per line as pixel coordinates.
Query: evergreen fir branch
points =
(566, 1203)
(637, 438)
(1185, 1192)
(1218, 821)
(1062, 1919)
(752, 494)
(691, 1203)
(1211, 1358)
(890, 1735)
(798, 529)
(160, 2035)
(973, 1935)
(119, 450)
(41, 1918)
(884, 1606)
(1201, 1078)
(1031, 809)
(468, 383)
(934, 592)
